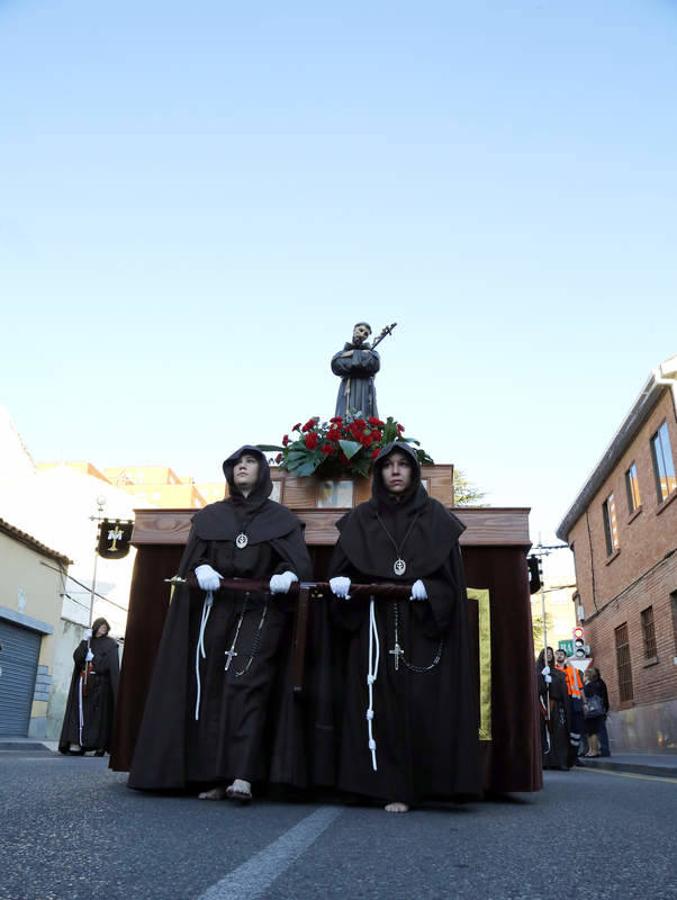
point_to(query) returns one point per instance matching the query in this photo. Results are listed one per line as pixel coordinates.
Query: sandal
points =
(235, 794)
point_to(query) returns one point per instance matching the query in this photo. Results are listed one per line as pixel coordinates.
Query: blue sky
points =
(196, 203)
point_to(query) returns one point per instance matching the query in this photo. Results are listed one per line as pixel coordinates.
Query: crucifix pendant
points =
(241, 541)
(397, 651)
(400, 566)
(230, 654)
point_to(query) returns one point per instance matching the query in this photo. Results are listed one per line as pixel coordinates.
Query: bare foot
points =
(217, 793)
(239, 790)
(396, 808)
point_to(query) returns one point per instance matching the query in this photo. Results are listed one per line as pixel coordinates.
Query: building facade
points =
(622, 529)
(32, 578)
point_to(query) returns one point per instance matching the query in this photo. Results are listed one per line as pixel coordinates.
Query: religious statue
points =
(356, 365)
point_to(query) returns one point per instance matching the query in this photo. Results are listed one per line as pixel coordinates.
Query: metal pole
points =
(545, 645)
(100, 503)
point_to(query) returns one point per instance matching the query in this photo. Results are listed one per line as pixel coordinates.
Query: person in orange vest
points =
(575, 691)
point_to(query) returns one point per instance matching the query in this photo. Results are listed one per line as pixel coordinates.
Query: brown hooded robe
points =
(426, 710)
(239, 709)
(98, 696)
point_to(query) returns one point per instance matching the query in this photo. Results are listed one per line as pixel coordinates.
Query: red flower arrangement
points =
(345, 445)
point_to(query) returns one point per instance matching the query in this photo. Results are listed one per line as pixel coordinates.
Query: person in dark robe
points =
(90, 708)
(575, 690)
(555, 712)
(356, 365)
(411, 710)
(214, 699)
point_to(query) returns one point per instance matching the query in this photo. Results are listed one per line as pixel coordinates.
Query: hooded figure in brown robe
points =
(213, 707)
(412, 733)
(88, 720)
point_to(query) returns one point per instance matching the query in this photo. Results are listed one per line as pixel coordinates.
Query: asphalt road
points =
(70, 828)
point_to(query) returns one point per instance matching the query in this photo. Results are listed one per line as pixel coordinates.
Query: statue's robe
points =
(248, 725)
(98, 699)
(357, 392)
(425, 722)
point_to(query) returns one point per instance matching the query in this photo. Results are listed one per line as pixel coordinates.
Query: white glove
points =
(280, 584)
(418, 591)
(87, 634)
(340, 585)
(208, 578)
(545, 670)
(89, 657)
(547, 679)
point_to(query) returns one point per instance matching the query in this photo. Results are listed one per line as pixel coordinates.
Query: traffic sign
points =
(567, 646)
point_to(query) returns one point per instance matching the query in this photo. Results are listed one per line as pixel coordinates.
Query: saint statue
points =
(356, 365)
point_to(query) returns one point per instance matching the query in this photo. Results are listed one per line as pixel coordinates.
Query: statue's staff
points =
(386, 331)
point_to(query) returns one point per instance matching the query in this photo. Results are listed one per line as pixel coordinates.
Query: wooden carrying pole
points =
(306, 591)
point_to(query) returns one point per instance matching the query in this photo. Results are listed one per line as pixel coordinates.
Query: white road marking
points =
(254, 877)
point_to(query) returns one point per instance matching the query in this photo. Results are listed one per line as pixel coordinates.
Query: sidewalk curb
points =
(10, 746)
(631, 768)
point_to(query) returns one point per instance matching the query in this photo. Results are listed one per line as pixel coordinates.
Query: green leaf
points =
(350, 448)
(362, 466)
(268, 447)
(297, 455)
(307, 468)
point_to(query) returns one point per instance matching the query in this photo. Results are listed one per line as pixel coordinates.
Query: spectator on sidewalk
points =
(596, 707)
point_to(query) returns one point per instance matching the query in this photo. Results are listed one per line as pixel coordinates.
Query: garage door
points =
(19, 664)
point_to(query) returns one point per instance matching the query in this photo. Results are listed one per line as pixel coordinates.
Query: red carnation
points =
(310, 424)
(333, 435)
(375, 453)
(400, 428)
(278, 458)
(311, 440)
(296, 427)
(361, 424)
(374, 421)
(327, 449)
(336, 420)
(285, 440)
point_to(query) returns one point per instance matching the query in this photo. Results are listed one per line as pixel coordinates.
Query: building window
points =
(623, 664)
(663, 464)
(610, 525)
(632, 488)
(648, 633)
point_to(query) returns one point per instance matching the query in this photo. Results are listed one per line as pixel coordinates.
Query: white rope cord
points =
(547, 733)
(81, 711)
(372, 673)
(200, 648)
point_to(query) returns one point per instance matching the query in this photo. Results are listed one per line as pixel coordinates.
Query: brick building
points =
(622, 529)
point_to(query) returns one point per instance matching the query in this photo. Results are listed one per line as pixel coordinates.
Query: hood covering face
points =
(424, 530)
(263, 519)
(97, 623)
(414, 495)
(264, 485)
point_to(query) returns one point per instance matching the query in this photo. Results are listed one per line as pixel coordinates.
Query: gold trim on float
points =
(483, 599)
